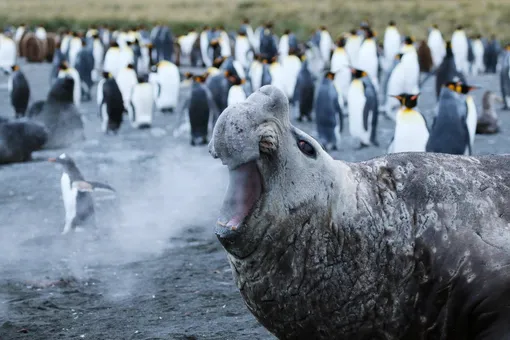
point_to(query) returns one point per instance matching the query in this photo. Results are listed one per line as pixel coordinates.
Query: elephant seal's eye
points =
(306, 148)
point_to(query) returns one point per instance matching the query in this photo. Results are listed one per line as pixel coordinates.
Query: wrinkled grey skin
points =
(405, 246)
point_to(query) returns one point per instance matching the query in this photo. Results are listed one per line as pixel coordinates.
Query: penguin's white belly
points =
(391, 46)
(77, 84)
(69, 197)
(104, 117)
(342, 82)
(460, 51)
(126, 57)
(204, 44)
(64, 46)
(99, 95)
(283, 47)
(235, 95)
(242, 47)
(352, 48)
(356, 98)
(74, 48)
(396, 86)
(142, 104)
(411, 134)
(277, 77)
(471, 119)
(169, 80)
(226, 51)
(325, 46)
(126, 79)
(412, 74)
(369, 62)
(339, 60)
(111, 62)
(40, 33)
(98, 55)
(290, 69)
(9, 85)
(256, 76)
(8, 53)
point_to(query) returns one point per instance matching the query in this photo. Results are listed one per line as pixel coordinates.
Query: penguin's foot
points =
(362, 146)
(375, 142)
(334, 147)
(299, 119)
(193, 142)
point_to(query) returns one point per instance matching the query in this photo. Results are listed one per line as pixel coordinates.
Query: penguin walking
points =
(141, 104)
(328, 113)
(200, 105)
(436, 44)
(126, 79)
(504, 78)
(76, 194)
(411, 130)
(363, 108)
(304, 92)
(167, 84)
(448, 70)
(19, 91)
(449, 132)
(112, 105)
(66, 70)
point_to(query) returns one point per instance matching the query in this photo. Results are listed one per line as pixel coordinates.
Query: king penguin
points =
(126, 79)
(141, 106)
(236, 92)
(168, 80)
(391, 44)
(363, 108)
(352, 45)
(242, 48)
(98, 53)
(460, 49)
(504, 78)
(328, 113)
(112, 106)
(472, 114)
(368, 59)
(112, 59)
(85, 66)
(304, 92)
(447, 71)
(19, 91)
(436, 44)
(449, 132)
(255, 72)
(291, 65)
(64, 71)
(340, 66)
(78, 202)
(8, 53)
(411, 130)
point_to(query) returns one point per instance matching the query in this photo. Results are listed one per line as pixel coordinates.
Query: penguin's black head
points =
(357, 74)
(435, 26)
(15, 68)
(341, 42)
(369, 33)
(199, 79)
(188, 75)
(392, 23)
(143, 78)
(269, 25)
(215, 42)
(460, 87)
(287, 31)
(63, 65)
(353, 32)
(459, 28)
(409, 40)
(131, 66)
(106, 75)
(114, 44)
(63, 159)
(408, 100)
(218, 61)
(399, 56)
(323, 28)
(246, 21)
(129, 43)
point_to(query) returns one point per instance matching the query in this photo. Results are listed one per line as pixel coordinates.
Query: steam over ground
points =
(156, 270)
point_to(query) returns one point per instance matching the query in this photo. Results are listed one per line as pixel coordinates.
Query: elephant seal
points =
(19, 138)
(405, 246)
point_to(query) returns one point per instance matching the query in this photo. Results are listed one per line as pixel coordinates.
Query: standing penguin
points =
(340, 66)
(472, 114)
(478, 52)
(200, 106)
(268, 47)
(449, 132)
(325, 45)
(112, 105)
(447, 71)
(304, 92)
(167, 79)
(126, 79)
(411, 130)
(492, 52)
(141, 105)
(98, 53)
(437, 45)
(75, 46)
(277, 76)
(391, 44)
(255, 72)
(241, 49)
(19, 91)
(291, 66)
(328, 113)
(112, 59)
(85, 66)
(368, 59)
(363, 108)
(504, 78)
(66, 70)
(460, 49)
(352, 46)
(236, 92)
(78, 202)
(8, 53)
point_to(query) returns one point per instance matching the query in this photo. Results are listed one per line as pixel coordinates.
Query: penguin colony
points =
(135, 73)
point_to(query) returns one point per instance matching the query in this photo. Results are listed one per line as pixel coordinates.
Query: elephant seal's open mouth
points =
(244, 191)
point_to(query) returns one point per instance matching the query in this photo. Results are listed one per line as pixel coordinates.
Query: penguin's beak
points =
(53, 160)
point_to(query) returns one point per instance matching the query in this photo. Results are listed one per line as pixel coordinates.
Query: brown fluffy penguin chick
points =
(488, 121)
(425, 57)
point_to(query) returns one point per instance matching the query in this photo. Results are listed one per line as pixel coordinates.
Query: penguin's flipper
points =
(89, 186)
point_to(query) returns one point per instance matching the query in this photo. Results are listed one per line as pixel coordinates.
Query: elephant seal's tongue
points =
(244, 189)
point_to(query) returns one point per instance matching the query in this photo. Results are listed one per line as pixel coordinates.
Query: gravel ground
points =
(157, 271)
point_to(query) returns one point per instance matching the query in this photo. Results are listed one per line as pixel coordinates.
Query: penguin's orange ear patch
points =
(414, 97)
